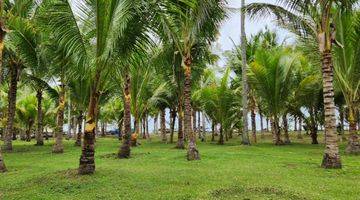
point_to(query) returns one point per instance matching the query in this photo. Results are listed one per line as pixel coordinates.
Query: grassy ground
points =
(157, 171)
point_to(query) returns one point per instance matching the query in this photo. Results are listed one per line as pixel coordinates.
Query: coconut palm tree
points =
(111, 22)
(220, 103)
(26, 113)
(19, 15)
(310, 86)
(245, 135)
(314, 20)
(347, 72)
(79, 93)
(189, 24)
(271, 77)
(27, 41)
(15, 66)
(262, 39)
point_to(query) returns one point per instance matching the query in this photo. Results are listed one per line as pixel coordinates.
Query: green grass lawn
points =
(158, 171)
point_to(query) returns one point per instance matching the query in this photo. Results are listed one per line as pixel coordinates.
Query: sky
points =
(230, 29)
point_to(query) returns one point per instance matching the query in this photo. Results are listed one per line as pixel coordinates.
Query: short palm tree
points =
(271, 77)
(347, 71)
(220, 103)
(26, 113)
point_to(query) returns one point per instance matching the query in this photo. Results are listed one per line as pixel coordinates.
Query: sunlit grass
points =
(158, 171)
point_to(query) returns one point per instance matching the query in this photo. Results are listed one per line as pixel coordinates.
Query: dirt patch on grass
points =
(115, 156)
(109, 155)
(243, 192)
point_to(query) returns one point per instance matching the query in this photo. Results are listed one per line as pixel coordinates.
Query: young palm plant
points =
(271, 77)
(26, 113)
(220, 102)
(347, 71)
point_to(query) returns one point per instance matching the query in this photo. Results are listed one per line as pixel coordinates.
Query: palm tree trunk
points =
(39, 131)
(2, 163)
(213, 132)
(147, 127)
(120, 128)
(331, 157)
(295, 124)
(156, 128)
(198, 124)
(261, 124)
(124, 151)
(253, 125)
(58, 146)
(74, 126)
(87, 158)
(299, 136)
(286, 130)
(203, 138)
(276, 131)
(163, 126)
(2, 37)
(313, 127)
(353, 146)
(180, 143)
(267, 124)
(358, 118)
(14, 74)
(28, 131)
(70, 124)
(194, 121)
(193, 153)
(342, 119)
(103, 134)
(172, 124)
(79, 134)
(221, 138)
(137, 129)
(144, 127)
(245, 90)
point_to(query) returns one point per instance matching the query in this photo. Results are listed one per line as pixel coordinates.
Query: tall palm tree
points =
(167, 62)
(264, 38)
(14, 70)
(23, 41)
(245, 134)
(2, 36)
(310, 18)
(107, 23)
(27, 40)
(3, 31)
(191, 23)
